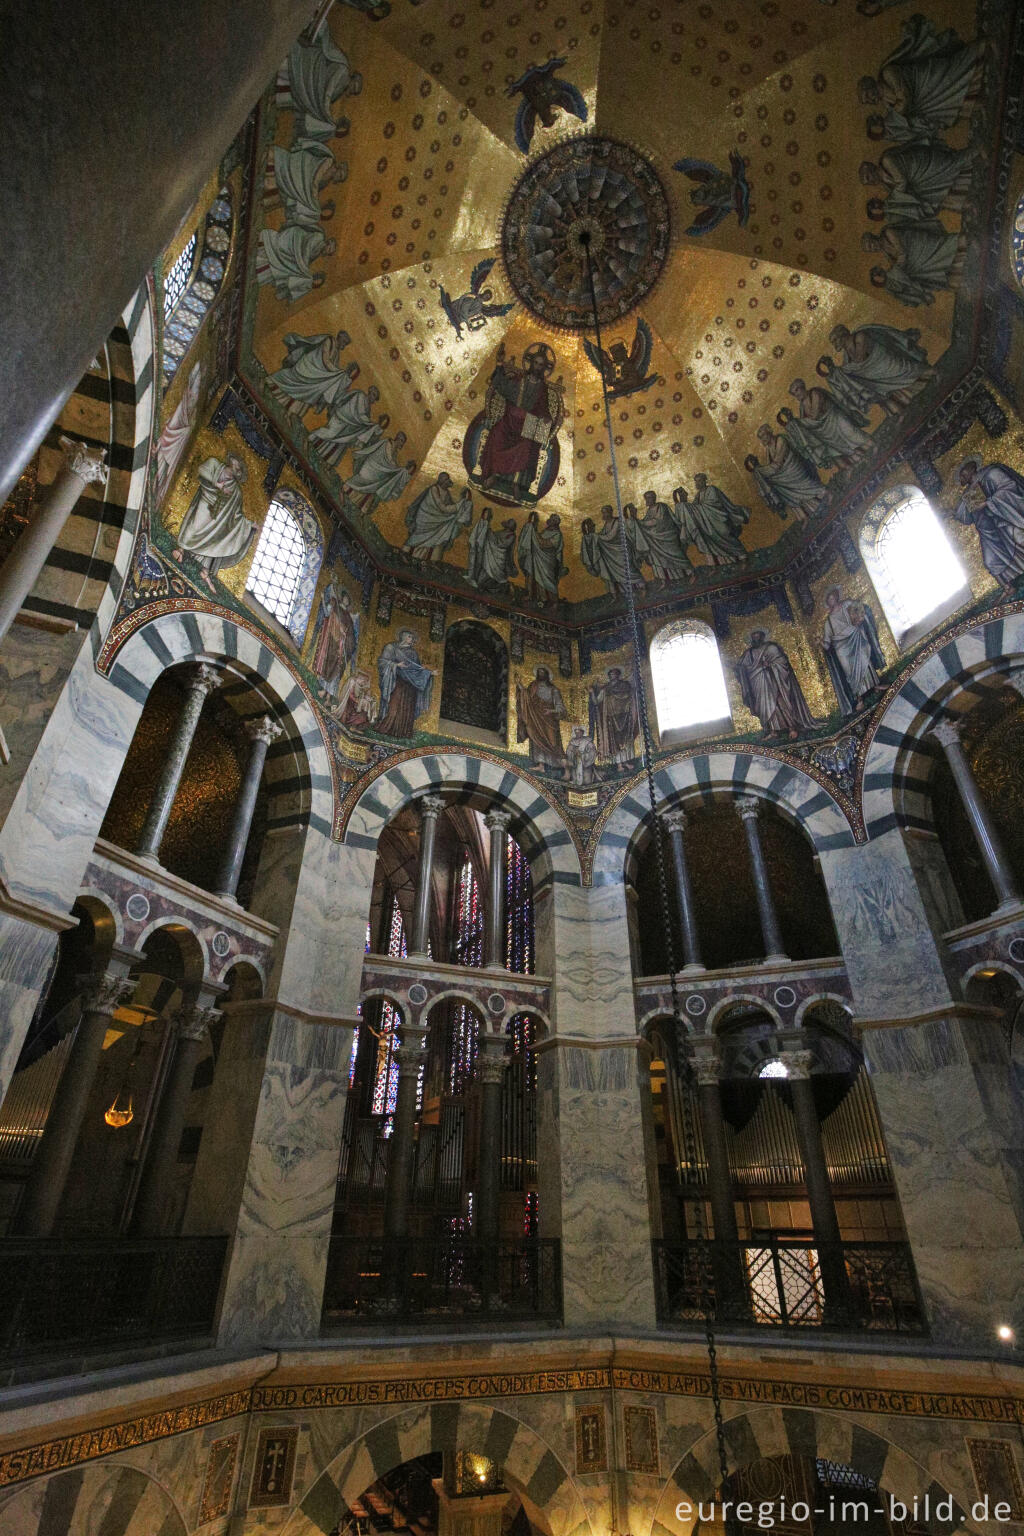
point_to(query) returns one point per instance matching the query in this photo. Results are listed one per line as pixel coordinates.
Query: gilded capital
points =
(89, 464)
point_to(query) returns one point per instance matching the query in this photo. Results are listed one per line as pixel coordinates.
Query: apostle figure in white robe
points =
(349, 425)
(300, 175)
(920, 180)
(924, 85)
(286, 259)
(316, 75)
(215, 529)
(435, 520)
(853, 653)
(378, 476)
(924, 257)
(581, 755)
(666, 554)
(492, 561)
(993, 501)
(540, 557)
(771, 690)
(176, 434)
(310, 375)
(601, 551)
(882, 364)
(834, 434)
(712, 521)
(787, 480)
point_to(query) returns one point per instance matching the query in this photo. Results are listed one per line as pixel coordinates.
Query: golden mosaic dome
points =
(779, 201)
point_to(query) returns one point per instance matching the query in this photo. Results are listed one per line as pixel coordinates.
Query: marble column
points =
(261, 733)
(82, 466)
(748, 807)
(675, 822)
(202, 680)
(491, 1063)
(410, 1057)
(947, 734)
(824, 1221)
(728, 1270)
(497, 823)
(191, 1025)
(430, 807)
(101, 996)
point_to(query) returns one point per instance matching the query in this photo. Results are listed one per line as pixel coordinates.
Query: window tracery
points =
(287, 562)
(190, 292)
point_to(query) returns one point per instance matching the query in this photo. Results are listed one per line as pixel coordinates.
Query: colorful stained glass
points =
(519, 910)
(467, 949)
(177, 278)
(385, 1078)
(187, 303)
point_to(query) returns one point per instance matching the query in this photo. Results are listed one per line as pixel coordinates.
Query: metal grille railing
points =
(779, 1283)
(408, 1279)
(68, 1296)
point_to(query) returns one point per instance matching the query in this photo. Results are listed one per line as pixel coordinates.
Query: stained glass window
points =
(359, 1014)
(177, 278)
(467, 949)
(689, 684)
(190, 287)
(385, 1076)
(519, 910)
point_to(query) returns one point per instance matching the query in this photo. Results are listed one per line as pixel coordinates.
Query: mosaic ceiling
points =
(778, 201)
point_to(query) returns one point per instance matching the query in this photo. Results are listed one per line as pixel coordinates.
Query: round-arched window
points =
(910, 560)
(287, 561)
(689, 684)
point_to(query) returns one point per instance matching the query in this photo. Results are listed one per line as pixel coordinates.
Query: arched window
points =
(287, 562)
(1017, 242)
(177, 278)
(915, 572)
(467, 948)
(774, 1068)
(689, 684)
(191, 286)
(474, 685)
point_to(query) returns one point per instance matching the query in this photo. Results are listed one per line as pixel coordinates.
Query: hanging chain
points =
(683, 1048)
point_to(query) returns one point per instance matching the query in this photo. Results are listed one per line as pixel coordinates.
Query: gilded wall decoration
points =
(641, 1430)
(273, 1467)
(219, 1478)
(996, 1476)
(591, 1440)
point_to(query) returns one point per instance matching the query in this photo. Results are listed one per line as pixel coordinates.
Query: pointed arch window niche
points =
(912, 564)
(690, 694)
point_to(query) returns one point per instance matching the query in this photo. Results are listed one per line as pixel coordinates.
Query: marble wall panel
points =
(593, 990)
(596, 1098)
(25, 953)
(892, 960)
(34, 666)
(960, 1215)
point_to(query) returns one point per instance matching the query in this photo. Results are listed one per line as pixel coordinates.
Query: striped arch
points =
(531, 1466)
(794, 792)
(765, 1432)
(466, 779)
(299, 765)
(896, 788)
(111, 408)
(387, 995)
(108, 1495)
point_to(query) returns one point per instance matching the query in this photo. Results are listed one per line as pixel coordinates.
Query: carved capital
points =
(192, 1021)
(498, 820)
(431, 806)
(707, 1065)
(490, 1068)
(103, 994)
(798, 1064)
(410, 1057)
(263, 729)
(203, 679)
(89, 464)
(747, 807)
(946, 733)
(674, 821)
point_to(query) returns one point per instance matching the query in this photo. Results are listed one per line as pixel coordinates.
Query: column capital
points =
(106, 992)
(490, 1067)
(203, 679)
(89, 464)
(747, 807)
(946, 733)
(707, 1063)
(498, 820)
(798, 1064)
(430, 806)
(410, 1056)
(193, 1020)
(674, 821)
(263, 729)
